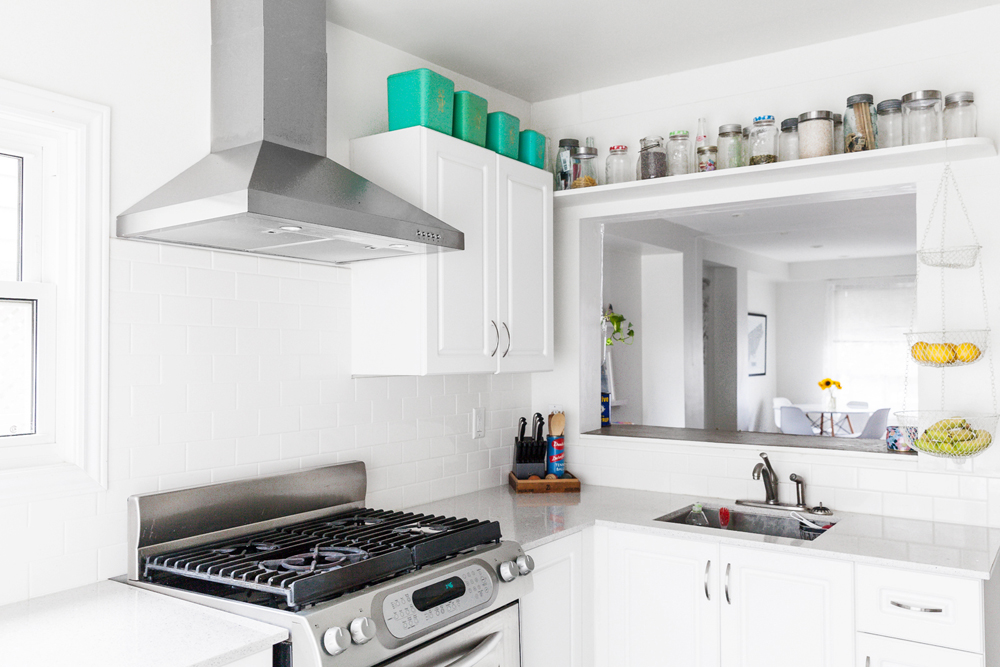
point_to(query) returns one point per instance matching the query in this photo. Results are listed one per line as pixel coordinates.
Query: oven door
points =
(490, 641)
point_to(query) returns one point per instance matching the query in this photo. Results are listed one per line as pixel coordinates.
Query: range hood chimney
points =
(267, 186)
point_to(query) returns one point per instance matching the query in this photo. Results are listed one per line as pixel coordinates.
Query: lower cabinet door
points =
(552, 613)
(780, 610)
(876, 651)
(663, 601)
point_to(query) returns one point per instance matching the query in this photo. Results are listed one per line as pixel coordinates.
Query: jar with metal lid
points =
(959, 116)
(788, 140)
(618, 166)
(816, 134)
(922, 117)
(707, 158)
(730, 147)
(860, 132)
(652, 162)
(890, 123)
(563, 165)
(838, 134)
(763, 141)
(679, 154)
(585, 166)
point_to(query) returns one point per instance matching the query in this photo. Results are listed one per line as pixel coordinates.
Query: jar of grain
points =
(707, 158)
(838, 134)
(959, 116)
(618, 167)
(730, 146)
(679, 154)
(890, 123)
(922, 117)
(815, 134)
(652, 162)
(763, 141)
(860, 123)
(788, 140)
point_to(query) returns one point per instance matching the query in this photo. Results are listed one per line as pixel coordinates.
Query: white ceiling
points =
(521, 46)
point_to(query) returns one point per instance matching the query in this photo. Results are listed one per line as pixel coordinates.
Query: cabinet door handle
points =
(907, 607)
(494, 352)
(708, 566)
(868, 661)
(728, 567)
(508, 339)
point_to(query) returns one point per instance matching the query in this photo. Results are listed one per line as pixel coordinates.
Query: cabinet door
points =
(462, 332)
(780, 610)
(663, 601)
(524, 214)
(875, 651)
(552, 614)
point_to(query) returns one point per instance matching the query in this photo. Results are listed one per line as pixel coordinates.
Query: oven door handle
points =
(474, 656)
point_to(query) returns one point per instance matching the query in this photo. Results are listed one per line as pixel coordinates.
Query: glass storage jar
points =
(890, 123)
(816, 134)
(652, 162)
(730, 147)
(618, 166)
(838, 134)
(679, 153)
(707, 158)
(563, 165)
(859, 124)
(585, 166)
(788, 140)
(763, 141)
(922, 117)
(959, 116)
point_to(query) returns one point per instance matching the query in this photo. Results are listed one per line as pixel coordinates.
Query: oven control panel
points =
(411, 610)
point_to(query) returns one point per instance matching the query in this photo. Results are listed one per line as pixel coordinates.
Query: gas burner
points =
(353, 521)
(421, 529)
(320, 558)
(245, 549)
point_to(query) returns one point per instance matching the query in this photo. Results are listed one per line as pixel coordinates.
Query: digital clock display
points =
(438, 593)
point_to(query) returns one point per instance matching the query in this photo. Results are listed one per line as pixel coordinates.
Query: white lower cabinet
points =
(552, 614)
(875, 651)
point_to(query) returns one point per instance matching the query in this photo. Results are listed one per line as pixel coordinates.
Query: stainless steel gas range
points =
(355, 587)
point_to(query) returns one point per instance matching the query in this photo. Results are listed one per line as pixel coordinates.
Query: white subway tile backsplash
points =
(158, 278)
(211, 283)
(231, 313)
(209, 454)
(172, 254)
(930, 484)
(230, 261)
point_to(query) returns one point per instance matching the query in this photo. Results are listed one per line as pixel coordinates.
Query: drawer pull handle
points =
(907, 607)
(728, 566)
(708, 567)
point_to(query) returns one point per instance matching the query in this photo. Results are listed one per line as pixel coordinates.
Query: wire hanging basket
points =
(947, 349)
(958, 257)
(942, 433)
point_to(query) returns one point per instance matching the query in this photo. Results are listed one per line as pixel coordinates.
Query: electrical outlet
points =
(478, 423)
(555, 407)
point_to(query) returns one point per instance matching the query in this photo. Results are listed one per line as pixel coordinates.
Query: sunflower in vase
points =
(827, 385)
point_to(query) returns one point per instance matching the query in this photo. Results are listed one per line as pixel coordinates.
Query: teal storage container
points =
(470, 118)
(421, 97)
(502, 133)
(531, 148)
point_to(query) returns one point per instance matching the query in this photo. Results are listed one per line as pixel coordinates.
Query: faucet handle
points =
(800, 490)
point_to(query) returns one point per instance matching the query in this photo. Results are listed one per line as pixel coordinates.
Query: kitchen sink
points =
(752, 522)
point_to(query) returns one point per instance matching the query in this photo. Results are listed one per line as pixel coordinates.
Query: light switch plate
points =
(478, 423)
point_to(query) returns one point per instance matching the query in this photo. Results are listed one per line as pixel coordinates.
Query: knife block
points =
(525, 467)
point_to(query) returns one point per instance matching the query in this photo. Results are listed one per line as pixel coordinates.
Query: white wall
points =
(623, 290)
(225, 366)
(800, 339)
(760, 390)
(663, 339)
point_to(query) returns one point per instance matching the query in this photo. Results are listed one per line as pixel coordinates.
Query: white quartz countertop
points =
(534, 519)
(111, 624)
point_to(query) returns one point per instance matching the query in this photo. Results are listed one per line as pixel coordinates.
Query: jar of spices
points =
(679, 154)
(618, 166)
(763, 141)
(890, 123)
(585, 166)
(859, 124)
(707, 158)
(563, 166)
(838, 134)
(788, 140)
(652, 162)
(815, 134)
(730, 147)
(922, 117)
(959, 116)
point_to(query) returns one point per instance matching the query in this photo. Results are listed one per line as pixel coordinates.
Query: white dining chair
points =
(795, 422)
(846, 419)
(875, 428)
(779, 403)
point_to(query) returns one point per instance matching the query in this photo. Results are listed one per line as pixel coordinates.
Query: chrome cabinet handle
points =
(476, 655)
(708, 566)
(926, 610)
(728, 567)
(508, 339)
(868, 661)
(494, 352)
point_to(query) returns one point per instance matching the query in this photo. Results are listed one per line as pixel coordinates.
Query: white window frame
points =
(66, 269)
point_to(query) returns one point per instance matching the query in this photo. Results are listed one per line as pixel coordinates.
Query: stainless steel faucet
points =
(770, 479)
(800, 490)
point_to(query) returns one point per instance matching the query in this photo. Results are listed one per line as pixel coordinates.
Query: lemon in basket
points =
(942, 353)
(920, 352)
(967, 353)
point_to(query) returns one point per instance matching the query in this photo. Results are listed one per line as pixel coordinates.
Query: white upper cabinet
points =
(487, 308)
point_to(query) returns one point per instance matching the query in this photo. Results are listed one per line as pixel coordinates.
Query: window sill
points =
(50, 481)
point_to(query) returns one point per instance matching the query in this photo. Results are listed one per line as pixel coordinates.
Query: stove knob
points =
(525, 564)
(336, 641)
(508, 570)
(362, 630)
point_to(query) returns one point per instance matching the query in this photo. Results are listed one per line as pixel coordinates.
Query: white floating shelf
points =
(832, 165)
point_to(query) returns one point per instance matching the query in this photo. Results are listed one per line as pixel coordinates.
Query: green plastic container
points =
(470, 118)
(421, 97)
(531, 148)
(501, 133)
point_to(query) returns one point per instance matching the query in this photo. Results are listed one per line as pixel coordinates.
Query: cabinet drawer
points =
(928, 608)
(874, 651)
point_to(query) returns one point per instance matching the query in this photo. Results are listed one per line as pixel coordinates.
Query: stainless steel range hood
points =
(267, 186)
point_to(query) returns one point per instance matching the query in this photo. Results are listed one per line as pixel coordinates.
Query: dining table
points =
(824, 411)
